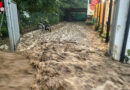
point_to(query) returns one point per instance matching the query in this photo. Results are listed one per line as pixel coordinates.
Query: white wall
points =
(120, 28)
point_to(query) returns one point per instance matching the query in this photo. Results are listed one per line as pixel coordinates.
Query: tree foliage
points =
(74, 3)
(49, 6)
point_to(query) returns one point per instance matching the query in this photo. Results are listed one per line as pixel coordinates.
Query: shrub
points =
(127, 56)
(53, 18)
(4, 32)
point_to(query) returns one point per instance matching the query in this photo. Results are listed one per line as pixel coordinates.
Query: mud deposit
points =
(72, 57)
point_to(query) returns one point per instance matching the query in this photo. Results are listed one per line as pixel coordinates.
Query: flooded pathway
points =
(72, 57)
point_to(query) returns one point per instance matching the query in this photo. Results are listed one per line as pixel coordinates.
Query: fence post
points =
(12, 23)
(109, 21)
(7, 10)
(104, 12)
(99, 13)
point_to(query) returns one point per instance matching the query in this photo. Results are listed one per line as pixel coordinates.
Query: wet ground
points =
(72, 57)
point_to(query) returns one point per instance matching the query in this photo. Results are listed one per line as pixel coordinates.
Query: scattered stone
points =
(4, 47)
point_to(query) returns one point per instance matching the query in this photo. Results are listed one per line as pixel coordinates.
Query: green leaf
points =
(0, 34)
(128, 51)
(126, 59)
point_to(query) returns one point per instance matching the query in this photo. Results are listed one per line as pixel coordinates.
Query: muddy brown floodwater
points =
(72, 57)
(15, 72)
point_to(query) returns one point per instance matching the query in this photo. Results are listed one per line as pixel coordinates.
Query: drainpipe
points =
(125, 37)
